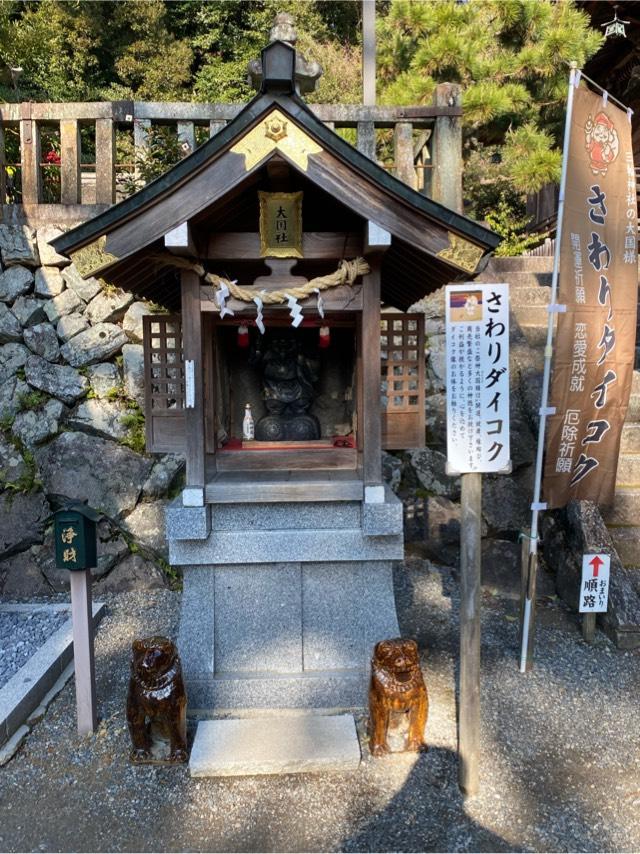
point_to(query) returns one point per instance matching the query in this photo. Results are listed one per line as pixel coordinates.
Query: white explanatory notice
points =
(189, 384)
(477, 326)
(594, 589)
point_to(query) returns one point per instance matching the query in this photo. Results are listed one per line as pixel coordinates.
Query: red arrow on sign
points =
(596, 563)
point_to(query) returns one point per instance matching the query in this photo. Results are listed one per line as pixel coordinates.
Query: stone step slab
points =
(517, 279)
(541, 263)
(633, 412)
(528, 296)
(625, 509)
(630, 442)
(627, 542)
(628, 470)
(275, 744)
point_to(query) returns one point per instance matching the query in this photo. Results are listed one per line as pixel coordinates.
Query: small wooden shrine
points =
(286, 259)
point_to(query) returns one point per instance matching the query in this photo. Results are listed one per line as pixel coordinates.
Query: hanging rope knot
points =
(199, 270)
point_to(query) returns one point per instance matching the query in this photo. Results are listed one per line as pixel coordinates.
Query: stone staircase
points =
(530, 281)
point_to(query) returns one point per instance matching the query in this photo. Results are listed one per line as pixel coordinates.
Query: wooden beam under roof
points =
(244, 245)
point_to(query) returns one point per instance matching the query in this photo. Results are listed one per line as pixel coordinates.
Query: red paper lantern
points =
(243, 336)
(325, 337)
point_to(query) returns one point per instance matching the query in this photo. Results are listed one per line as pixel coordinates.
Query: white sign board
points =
(477, 317)
(594, 590)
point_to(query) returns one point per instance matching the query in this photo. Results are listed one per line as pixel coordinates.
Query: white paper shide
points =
(477, 321)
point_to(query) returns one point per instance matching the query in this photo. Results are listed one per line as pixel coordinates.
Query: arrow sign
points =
(594, 588)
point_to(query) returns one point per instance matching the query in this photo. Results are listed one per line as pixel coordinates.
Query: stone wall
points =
(71, 424)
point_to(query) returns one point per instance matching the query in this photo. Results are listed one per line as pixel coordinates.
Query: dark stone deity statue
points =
(288, 377)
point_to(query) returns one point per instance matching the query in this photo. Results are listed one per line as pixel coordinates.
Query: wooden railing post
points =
(141, 129)
(187, 133)
(446, 151)
(70, 176)
(403, 153)
(30, 156)
(105, 161)
(215, 126)
(366, 140)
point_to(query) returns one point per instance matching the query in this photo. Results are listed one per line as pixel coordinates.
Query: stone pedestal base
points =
(283, 635)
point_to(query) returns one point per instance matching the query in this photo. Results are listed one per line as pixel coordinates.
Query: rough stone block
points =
(11, 391)
(93, 345)
(101, 472)
(10, 328)
(48, 255)
(86, 289)
(270, 640)
(103, 378)
(187, 523)
(48, 282)
(133, 369)
(15, 282)
(18, 246)
(36, 426)
(12, 357)
(22, 518)
(146, 526)
(42, 340)
(132, 321)
(283, 744)
(63, 382)
(62, 305)
(71, 325)
(108, 306)
(28, 311)
(100, 418)
(382, 519)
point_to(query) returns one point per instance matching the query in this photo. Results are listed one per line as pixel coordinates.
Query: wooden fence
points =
(64, 162)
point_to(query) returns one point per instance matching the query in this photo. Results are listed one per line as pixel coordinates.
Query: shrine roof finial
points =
(281, 68)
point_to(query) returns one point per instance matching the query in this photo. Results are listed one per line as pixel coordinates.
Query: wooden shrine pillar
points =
(371, 414)
(194, 412)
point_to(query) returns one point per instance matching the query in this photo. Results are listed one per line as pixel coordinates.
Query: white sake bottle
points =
(248, 429)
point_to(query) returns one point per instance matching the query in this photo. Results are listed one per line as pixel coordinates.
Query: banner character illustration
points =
(601, 141)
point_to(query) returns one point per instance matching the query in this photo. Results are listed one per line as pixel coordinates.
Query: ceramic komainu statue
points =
(156, 696)
(396, 686)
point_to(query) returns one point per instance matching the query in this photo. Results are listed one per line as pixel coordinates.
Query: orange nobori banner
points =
(598, 283)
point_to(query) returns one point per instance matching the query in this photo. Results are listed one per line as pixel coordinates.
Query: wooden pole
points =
(82, 616)
(369, 52)
(469, 694)
(588, 627)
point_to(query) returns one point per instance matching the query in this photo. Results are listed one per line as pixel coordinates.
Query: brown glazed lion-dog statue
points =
(397, 686)
(156, 696)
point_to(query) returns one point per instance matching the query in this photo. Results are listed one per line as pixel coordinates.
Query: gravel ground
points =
(559, 755)
(21, 635)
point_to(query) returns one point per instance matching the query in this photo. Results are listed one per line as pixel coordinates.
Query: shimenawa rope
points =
(346, 274)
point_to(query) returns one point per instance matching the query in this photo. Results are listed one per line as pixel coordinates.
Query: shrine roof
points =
(125, 238)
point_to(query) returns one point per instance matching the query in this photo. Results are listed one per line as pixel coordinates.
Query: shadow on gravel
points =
(427, 814)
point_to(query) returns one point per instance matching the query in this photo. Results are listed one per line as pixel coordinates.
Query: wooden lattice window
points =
(402, 380)
(163, 383)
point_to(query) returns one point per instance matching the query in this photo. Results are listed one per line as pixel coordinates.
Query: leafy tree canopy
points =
(511, 58)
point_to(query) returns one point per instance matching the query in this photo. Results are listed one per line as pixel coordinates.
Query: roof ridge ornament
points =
(281, 69)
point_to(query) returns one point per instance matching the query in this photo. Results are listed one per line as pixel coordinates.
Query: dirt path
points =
(559, 768)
